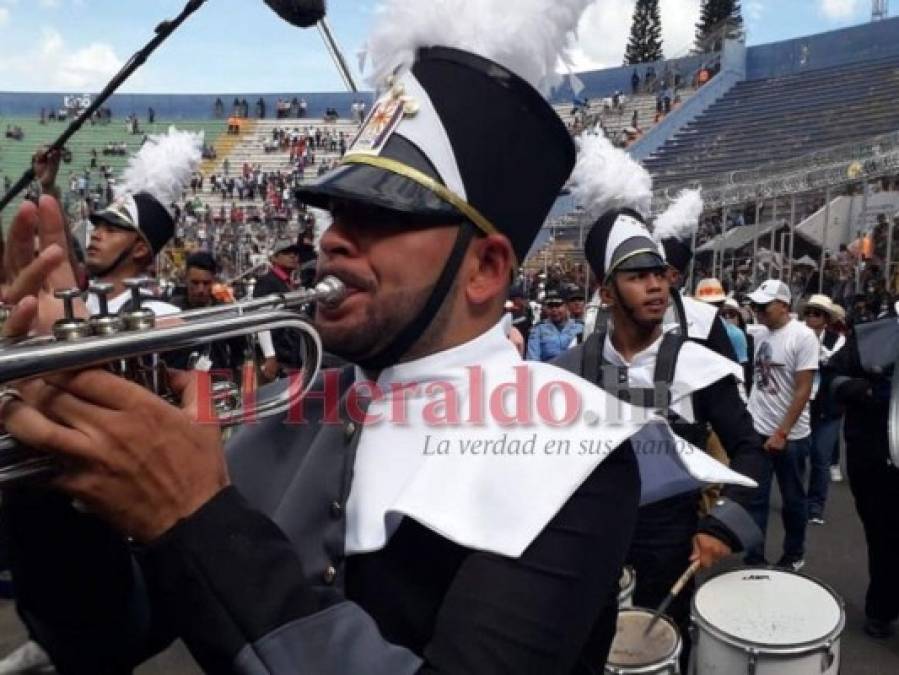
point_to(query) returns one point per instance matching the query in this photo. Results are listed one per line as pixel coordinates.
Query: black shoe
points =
(753, 561)
(877, 629)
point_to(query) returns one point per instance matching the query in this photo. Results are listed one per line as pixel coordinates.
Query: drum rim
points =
(650, 668)
(802, 648)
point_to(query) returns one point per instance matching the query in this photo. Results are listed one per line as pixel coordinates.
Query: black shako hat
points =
(678, 254)
(141, 213)
(619, 241)
(153, 180)
(457, 138)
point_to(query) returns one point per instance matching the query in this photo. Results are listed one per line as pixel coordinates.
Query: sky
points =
(76, 46)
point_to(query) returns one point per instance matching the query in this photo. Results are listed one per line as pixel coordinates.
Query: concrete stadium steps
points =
(766, 122)
(616, 121)
(249, 148)
(15, 156)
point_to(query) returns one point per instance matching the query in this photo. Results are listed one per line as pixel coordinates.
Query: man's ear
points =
(607, 295)
(491, 270)
(141, 254)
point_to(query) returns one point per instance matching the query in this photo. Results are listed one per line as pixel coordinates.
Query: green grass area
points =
(15, 156)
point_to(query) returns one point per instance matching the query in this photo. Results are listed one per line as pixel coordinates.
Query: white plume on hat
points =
(163, 166)
(529, 38)
(606, 178)
(681, 219)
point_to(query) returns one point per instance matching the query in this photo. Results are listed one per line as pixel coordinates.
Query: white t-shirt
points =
(779, 355)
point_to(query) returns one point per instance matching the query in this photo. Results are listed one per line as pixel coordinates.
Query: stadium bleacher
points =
(15, 155)
(766, 121)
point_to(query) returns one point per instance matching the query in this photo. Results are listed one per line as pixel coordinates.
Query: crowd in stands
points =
(667, 88)
(295, 108)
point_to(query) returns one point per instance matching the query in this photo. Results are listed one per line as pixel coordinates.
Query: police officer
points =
(556, 333)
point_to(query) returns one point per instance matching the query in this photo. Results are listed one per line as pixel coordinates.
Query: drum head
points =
(768, 607)
(632, 648)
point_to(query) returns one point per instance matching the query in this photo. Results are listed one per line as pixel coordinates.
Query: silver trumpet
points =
(127, 344)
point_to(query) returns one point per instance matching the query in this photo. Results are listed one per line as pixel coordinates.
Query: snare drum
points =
(626, 585)
(632, 652)
(762, 621)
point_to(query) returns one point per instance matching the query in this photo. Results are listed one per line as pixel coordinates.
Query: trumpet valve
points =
(70, 327)
(104, 323)
(138, 317)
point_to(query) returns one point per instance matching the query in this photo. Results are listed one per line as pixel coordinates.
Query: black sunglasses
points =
(811, 311)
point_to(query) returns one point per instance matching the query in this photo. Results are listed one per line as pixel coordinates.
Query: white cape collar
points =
(696, 368)
(494, 486)
(700, 318)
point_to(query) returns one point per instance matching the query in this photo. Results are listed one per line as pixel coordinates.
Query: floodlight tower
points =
(880, 9)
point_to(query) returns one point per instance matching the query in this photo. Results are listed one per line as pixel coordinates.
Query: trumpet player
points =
(334, 544)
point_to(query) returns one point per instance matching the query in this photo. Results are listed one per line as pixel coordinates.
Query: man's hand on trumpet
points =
(132, 458)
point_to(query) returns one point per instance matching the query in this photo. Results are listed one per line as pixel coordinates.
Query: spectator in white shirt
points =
(786, 359)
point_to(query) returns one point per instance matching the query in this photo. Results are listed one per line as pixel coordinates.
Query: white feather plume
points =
(529, 37)
(681, 219)
(606, 178)
(163, 166)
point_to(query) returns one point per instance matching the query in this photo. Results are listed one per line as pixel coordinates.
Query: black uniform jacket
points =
(720, 405)
(257, 580)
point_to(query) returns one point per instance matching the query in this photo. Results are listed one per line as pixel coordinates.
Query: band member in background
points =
(129, 233)
(661, 370)
(675, 229)
(858, 376)
(280, 348)
(221, 355)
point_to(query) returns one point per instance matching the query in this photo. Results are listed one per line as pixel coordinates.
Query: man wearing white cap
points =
(826, 415)
(786, 359)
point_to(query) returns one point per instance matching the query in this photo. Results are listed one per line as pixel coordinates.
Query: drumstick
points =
(677, 588)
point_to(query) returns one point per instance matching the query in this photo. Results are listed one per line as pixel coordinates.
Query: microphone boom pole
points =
(163, 31)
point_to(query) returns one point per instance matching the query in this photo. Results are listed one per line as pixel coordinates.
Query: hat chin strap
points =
(120, 258)
(391, 355)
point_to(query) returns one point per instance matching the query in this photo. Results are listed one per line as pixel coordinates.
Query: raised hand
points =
(36, 263)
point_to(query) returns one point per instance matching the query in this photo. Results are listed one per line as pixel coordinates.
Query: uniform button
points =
(349, 430)
(336, 510)
(329, 575)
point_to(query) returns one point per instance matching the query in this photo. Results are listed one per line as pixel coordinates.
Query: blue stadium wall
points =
(867, 42)
(177, 106)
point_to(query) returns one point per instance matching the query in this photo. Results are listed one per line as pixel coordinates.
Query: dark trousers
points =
(789, 467)
(824, 445)
(660, 553)
(875, 486)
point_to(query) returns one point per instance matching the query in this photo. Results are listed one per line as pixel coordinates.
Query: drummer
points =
(636, 359)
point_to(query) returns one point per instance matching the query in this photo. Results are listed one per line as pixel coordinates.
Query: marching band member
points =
(354, 541)
(858, 376)
(129, 233)
(674, 229)
(651, 367)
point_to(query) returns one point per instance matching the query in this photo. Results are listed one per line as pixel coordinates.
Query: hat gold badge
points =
(386, 115)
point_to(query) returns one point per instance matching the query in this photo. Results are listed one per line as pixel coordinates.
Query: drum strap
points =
(614, 379)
